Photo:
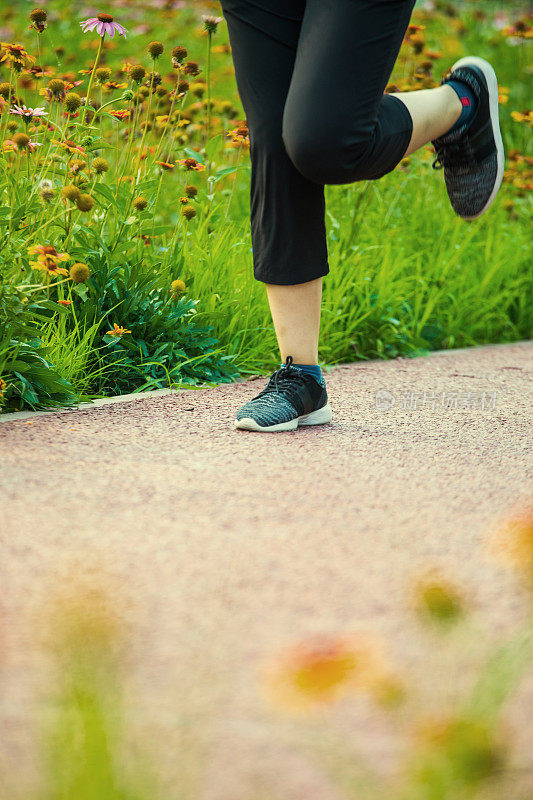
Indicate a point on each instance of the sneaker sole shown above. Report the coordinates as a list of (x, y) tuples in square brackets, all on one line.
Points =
[(492, 84), (320, 417)]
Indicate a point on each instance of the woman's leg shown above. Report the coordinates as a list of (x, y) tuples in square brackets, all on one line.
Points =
[(433, 111), (287, 210), (296, 314)]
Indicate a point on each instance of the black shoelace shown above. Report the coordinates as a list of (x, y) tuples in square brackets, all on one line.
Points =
[(283, 381), (449, 155)]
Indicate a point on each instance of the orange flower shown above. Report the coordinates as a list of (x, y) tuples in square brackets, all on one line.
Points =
[(117, 331), (69, 145), (240, 135), (322, 670), (191, 163), (512, 543), (48, 259), (520, 30), (120, 114), (523, 116), (15, 56)]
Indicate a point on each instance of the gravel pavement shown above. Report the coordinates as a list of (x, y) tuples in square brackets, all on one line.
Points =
[(224, 546)]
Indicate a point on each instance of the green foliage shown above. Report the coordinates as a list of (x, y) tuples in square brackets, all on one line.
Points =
[(406, 276)]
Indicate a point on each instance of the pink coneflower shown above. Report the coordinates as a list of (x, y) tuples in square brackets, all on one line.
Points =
[(104, 24), (28, 113)]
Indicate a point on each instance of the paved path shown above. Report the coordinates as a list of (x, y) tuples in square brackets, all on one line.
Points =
[(228, 545)]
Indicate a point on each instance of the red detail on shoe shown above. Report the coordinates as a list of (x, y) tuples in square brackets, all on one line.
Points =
[(465, 101)]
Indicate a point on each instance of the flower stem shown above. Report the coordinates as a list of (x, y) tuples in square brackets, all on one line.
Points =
[(91, 79)]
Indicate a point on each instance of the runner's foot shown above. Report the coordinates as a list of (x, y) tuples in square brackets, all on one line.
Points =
[(472, 155), (291, 398)]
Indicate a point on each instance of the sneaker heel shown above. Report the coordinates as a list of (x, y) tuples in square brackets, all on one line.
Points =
[(319, 417)]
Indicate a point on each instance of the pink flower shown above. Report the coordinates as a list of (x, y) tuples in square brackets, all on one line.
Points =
[(104, 24), (10, 146), (23, 111)]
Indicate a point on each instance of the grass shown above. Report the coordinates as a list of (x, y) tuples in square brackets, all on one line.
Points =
[(406, 275)]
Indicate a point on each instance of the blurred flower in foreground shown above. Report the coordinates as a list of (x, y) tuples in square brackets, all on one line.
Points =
[(523, 116), (83, 622), (436, 599), (512, 543), (457, 752), (322, 670)]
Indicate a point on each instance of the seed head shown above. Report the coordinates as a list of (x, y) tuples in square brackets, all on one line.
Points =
[(140, 203), (56, 86), (188, 212), (100, 165), (198, 89), (6, 90), (190, 190), (105, 17), (71, 193), (226, 107), (183, 86), (85, 202), (154, 79), (179, 53), (76, 165), (38, 15), (79, 272), (137, 73), (178, 286), (12, 126), (72, 102), (102, 74), (191, 68), (155, 49), (22, 140), (46, 193)]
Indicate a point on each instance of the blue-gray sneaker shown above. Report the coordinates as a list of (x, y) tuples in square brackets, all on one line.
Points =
[(472, 156), (290, 398)]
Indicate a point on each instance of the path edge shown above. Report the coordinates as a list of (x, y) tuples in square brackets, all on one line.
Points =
[(128, 398)]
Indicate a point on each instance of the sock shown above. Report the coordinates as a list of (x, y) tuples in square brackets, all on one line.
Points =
[(468, 100), (313, 370)]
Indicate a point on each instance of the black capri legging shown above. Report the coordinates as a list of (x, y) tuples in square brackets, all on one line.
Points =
[(311, 76)]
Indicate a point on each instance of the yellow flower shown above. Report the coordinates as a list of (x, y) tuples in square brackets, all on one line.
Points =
[(467, 749), (3, 385), (317, 672), (523, 116), (15, 56), (512, 542), (503, 95), (117, 331), (48, 259), (435, 598)]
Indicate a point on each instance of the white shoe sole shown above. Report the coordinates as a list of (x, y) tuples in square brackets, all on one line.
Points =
[(492, 84), (320, 417)]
